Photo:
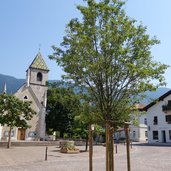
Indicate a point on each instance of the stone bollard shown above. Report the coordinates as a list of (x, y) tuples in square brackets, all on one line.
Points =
[(116, 148), (46, 153)]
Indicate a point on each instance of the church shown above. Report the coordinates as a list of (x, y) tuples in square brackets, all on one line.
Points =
[(34, 90)]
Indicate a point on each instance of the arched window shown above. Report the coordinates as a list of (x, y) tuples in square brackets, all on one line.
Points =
[(39, 76), (25, 97)]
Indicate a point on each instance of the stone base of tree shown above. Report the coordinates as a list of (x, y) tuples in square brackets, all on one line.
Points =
[(65, 150), (68, 147)]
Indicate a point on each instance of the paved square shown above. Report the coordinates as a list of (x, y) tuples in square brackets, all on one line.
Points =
[(143, 158)]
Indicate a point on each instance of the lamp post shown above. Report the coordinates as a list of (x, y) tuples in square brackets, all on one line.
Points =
[(91, 129), (127, 145)]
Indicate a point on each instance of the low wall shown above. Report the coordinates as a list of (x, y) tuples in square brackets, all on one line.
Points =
[(31, 143), (42, 143)]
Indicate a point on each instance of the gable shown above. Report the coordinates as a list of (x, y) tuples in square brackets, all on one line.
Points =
[(24, 93), (167, 95)]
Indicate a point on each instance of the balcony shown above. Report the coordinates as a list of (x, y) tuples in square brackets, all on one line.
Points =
[(167, 107)]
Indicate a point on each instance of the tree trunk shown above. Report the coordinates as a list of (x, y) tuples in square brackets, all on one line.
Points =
[(128, 147), (86, 147), (109, 148), (9, 139), (62, 134)]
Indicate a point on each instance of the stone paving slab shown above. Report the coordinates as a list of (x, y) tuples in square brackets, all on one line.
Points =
[(143, 158), (26, 158)]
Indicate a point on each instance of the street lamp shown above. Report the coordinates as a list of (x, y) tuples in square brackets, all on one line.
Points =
[(128, 144), (91, 129)]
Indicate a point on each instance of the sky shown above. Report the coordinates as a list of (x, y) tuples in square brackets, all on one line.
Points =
[(29, 25)]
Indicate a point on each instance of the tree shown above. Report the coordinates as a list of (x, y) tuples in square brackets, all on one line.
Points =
[(110, 54), (87, 116), (62, 106), (14, 113)]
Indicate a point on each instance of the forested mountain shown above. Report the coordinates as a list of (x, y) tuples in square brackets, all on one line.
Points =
[(13, 84)]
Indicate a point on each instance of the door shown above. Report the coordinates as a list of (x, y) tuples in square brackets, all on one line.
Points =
[(21, 134), (164, 136)]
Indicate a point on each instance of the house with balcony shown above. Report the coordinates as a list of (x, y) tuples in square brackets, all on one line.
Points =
[(158, 115)]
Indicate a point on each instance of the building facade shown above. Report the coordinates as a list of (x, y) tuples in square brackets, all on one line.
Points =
[(138, 131), (34, 90), (159, 119)]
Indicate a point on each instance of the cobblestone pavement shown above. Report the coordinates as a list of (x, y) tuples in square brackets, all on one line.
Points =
[(143, 158)]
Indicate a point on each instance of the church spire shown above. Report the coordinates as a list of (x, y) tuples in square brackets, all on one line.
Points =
[(39, 63)]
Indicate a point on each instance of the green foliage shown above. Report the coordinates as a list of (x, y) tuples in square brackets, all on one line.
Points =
[(65, 136), (15, 112), (110, 54), (135, 115), (88, 115), (62, 106), (80, 129), (99, 130)]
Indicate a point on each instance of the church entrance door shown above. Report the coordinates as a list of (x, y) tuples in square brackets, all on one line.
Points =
[(21, 134)]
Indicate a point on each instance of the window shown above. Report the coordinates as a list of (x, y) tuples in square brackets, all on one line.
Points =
[(39, 76), (155, 135), (134, 134), (145, 121), (32, 134), (170, 134), (168, 119), (169, 102), (25, 97), (155, 121), (146, 134), (6, 133)]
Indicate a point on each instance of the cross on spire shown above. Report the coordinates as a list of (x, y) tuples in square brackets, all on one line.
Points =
[(39, 47)]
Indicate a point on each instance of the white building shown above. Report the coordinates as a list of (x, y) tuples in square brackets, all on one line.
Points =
[(159, 119), (138, 132)]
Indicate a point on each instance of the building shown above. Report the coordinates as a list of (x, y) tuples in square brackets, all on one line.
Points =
[(159, 119), (138, 131), (34, 90)]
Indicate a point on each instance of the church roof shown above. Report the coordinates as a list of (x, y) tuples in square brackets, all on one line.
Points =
[(39, 63)]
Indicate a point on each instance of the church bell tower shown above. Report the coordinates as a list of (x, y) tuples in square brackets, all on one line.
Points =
[(37, 77), (36, 81)]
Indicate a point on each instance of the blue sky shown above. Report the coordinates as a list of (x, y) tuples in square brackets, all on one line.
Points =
[(25, 24)]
